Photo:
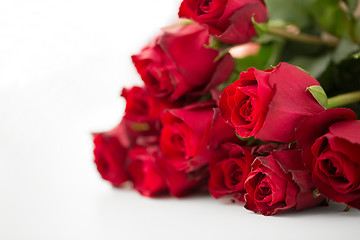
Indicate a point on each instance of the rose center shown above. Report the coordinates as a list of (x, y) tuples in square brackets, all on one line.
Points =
[(236, 176), (204, 7), (331, 168), (246, 109), (178, 142), (263, 190)]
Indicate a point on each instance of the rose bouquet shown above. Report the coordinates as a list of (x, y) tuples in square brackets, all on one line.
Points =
[(235, 103)]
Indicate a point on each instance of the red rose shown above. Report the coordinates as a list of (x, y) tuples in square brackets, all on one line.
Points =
[(229, 20), (110, 154), (177, 63), (181, 183), (331, 143), (221, 132), (143, 109), (313, 127), (231, 164), (269, 104), (145, 172), (185, 136), (141, 106), (228, 173), (279, 181)]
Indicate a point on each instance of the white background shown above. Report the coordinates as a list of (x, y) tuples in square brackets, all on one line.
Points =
[(62, 67)]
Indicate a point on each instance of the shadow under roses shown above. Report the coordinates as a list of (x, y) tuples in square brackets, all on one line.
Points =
[(334, 209)]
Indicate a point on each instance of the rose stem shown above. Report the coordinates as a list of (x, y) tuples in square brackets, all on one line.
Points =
[(343, 99), (302, 37)]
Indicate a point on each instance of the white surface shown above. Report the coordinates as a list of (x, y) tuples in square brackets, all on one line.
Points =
[(62, 66)]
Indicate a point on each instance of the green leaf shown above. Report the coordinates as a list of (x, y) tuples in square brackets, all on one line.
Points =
[(249, 141), (347, 208), (357, 31), (295, 12), (319, 94), (216, 44), (316, 66), (352, 4), (333, 18), (316, 193), (260, 28), (344, 50)]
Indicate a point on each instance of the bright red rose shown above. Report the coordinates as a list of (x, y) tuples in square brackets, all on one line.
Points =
[(229, 20), (110, 153), (279, 181), (331, 143), (228, 174), (269, 104), (177, 63), (185, 136), (145, 172)]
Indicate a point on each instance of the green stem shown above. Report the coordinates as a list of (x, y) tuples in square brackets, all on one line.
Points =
[(344, 99), (301, 37)]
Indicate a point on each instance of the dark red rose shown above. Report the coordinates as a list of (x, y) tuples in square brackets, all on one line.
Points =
[(110, 153), (228, 174), (177, 63), (331, 143), (145, 172), (185, 136), (279, 181), (269, 104), (229, 20)]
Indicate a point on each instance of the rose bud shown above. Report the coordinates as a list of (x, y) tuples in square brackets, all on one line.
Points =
[(269, 104), (185, 136), (331, 145), (110, 154), (228, 20), (177, 63), (144, 171), (279, 181), (229, 171)]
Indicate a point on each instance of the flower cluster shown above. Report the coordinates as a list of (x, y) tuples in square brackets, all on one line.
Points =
[(224, 109), (161, 143)]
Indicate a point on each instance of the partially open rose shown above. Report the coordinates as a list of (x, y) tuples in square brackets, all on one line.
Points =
[(229, 171), (185, 136), (279, 181), (110, 154), (269, 104), (145, 172), (177, 63), (229, 20), (331, 146)]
